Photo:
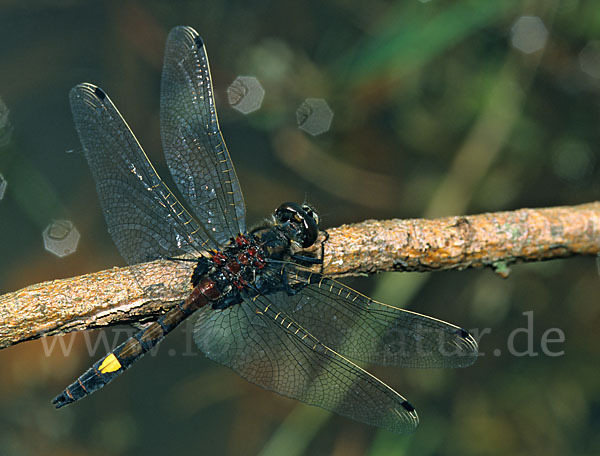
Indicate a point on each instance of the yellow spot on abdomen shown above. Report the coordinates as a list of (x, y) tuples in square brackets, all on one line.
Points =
[(110, 364)]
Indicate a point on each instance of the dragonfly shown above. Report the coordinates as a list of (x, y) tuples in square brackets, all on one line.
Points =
[(259, 306)]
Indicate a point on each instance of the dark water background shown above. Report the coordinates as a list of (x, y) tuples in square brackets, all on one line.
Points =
[(436, 112)]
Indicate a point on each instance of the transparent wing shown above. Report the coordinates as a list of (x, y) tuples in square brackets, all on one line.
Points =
[(192, 141), (262, 344), (366, 330), (144, 218)]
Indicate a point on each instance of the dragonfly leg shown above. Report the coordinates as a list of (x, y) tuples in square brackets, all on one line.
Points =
[(307, 259), (290, 289)]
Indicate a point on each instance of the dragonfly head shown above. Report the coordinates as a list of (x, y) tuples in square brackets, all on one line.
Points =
[(299, 222)]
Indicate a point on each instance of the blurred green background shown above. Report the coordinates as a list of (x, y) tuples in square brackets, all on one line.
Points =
[(440, 108)]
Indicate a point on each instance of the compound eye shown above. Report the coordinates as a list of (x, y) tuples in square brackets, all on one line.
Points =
[(310, 221), (311, 213), (288, 211), (311, 232), (306, 231)]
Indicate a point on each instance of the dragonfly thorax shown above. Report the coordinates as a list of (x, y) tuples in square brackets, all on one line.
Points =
[(232, 269), (237, 269)]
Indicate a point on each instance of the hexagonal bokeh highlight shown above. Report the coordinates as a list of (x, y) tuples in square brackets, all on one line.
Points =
[(3, 185), (245, 94), (61, 238), (314, 116), (5, 126), (4, 111), (589, 59), (528, 34)]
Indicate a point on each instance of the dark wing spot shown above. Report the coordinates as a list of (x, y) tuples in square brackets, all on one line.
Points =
[(408, 406), (463, 333), (99, 93), (199, 41)]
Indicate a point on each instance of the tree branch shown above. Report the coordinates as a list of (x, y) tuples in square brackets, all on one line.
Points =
[(141, 292)]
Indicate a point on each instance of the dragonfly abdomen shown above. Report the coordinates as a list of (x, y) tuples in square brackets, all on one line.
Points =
[(112, 365)]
